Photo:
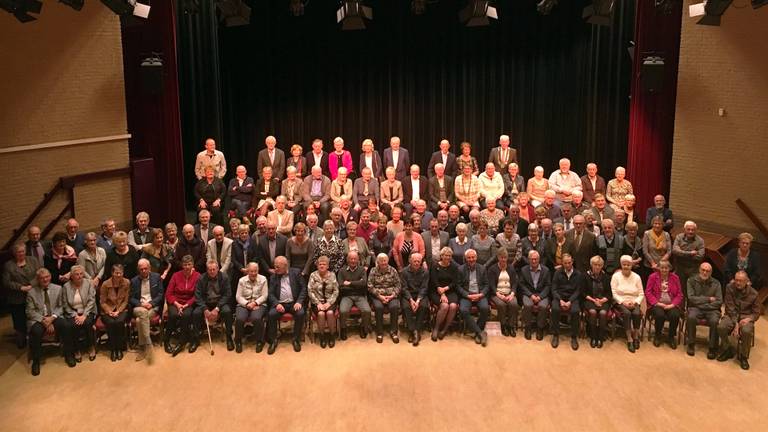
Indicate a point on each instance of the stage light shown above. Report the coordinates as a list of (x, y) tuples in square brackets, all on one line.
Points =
[(600, 12), (21, 9), (759, 3), (352, 15), (74, 4), (140, 10), (418, 7), (476, 13), (545, 6), (120, 7), (234, 12), (713, 12)]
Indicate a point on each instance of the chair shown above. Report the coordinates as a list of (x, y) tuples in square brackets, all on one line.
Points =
[(312, 319), (287, 317), (155, 328)]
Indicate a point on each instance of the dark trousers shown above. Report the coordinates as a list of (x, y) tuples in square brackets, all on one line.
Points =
[(394, 310), (225, 314), (256, 316), (36, 333), (465, 308), (746, 333), (631, 317), (541, 315), (660, 315), (82, 332), (574, 312), (507, 311), (274, 317), (597, 318), (179, 321), (19, 317), (712, 318), (115, 330), (414, 321)]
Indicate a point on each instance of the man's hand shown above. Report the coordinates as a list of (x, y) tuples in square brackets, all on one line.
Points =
[(26, 288), (745, 321), (217, 203), (79, 320), (443, 298), (712, 299), (50, 330), (535, 298), (414, 305), (202, 204), (346, 283), (280, 308), (297, 307)]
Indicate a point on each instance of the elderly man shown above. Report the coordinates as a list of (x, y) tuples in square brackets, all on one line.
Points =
[(491, 186), (287, 294), (75, 238), (314, 232), (413, 300), (535, 285), (209, 192), (601, 210), (578, 204), (45, 316), (687, 252), (317, 157), (566, 293), (204, 227), (415, 188), (434, 241), (290, 188), (271, 157), (271, 246), (384, 287), (552, 210), (191, 245), (440, 190), (212, 295), (210, 157), (445, 157), (364, 188), (142, 235), (240, 191), (219, 250), (659, 209), (397, 157), (610, 246), (316, 192), (39, 248), (341, 188), (147, 302), (104, 241), (366, 228), (467, 190), (567, 216), (705, 298), (473, 290), (251, 298), (281, 217), (564, 182), (741, 312), (583, 244), (353, 288), (514, 183), (592, 183), (502, 155)]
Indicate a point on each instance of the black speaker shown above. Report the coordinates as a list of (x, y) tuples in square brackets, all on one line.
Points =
[(652, 74), (152, 75)]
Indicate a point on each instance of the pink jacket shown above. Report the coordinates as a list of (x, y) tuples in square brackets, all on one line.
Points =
[(653, 289), (418, 247), (346, 160)]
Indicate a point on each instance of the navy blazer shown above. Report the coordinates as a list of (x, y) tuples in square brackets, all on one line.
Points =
[(78, 243), (402, 170), (298, 287), (567, 289), (156, 290), (482, 281), (527, 287)]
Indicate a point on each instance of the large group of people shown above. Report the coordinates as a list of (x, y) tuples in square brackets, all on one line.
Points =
[(317, 240)]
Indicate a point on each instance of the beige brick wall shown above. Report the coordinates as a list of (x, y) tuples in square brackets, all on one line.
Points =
[(62, 79), (718, 159)]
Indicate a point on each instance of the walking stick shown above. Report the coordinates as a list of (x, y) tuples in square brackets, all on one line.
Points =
[(208, 328)]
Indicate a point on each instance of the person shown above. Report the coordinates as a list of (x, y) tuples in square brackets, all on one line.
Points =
[(219, 250), (578, 205), (557, 247), (567, 283), (391, 192), (443, 156), (45, 316), (121, 254), (444, 278), (483, 244), (532, 242), (93, 259), (705, 297), (744, 258), (660, 209), (514, 183), (633, 246), (609, 246), (298, 162), (204, 227), (618, 188), (600, 209), (434, 241), (592, 183), (323, 289), (366, 227), (158, 254), (19, 275), (35, 246), (519, 225), (597, 301), (104, 239), (397, 157), (210, 157), (212, 296), (503, 284), (271, 157), (396, 225), (329, 246), (113, 300), (299, 250), (365, 187), (240, 191), (440, 188), (537, 185), (290, 188), (492, 217), (525, 209), (141, 235), (190, 245), (180, 297), (251, 299), (234, 225), (317, 157), (657, 245), (738, 321), (550, 209), (502, 155), (171, 236), (352, 281), (473, 291), (315, 192), (75, 238), (627, 289), (60, 259), (406, 243), (467, 187), (79, 304), (281, 217), (664, 296), (369, 158), (629, 208), (267, 189), (490, 186), (339, 158), (287, 294), (244, 251), (415, 188), (466, 159), (620, 222), (209, 192), (382, 239), (687, 252), (354, 243), (535, 286), (567, 216), (564, 182), (414, 281), (146, 302)]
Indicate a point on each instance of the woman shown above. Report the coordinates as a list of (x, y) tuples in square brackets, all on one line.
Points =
[(373, 209), (323, 291), (339, 158), (370, 158), (92, 259), (527, 212), (466, 159), (509, 240), (180, 297), (483, 244), (61, 259), (503, 282), (382, 239), (171, 236), (556, 247), (18, 275), (597, 301), (330, 247), (396, 224), (406, 243), (743, 258), (299, 250), (618, 189), (267, 189), (113, 299), (537, 185), (444, 277), (459, 244), (629, 208), (357, 244), (492, 216), (234, 227), (665, 297), (391, 192), (121, 254), (79, 299), (251, 299), (158, 254), (297, 161), (627, 290), (633, 245), (657, 245), (384, 286)]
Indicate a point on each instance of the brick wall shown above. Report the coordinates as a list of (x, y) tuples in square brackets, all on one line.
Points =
[(62, 79), (718, 159)]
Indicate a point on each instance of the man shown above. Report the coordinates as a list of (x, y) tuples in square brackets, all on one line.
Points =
[(314, 232), (552, 210), (546, 232), (415, 187), (620, 221), (445, 157), (659, 209), (291, 190), (583, 244), (147, 302), (414, 302), (209, 192), (687, 252), (251, 297), (502, 155), (601, 210), (364, 188), (397, 157), (45, 316), (491, 186), (741, 312), (384, 287), (75, 238), (440, 188), (281, 217), (566, 291), (473, 291), (592, 184), (567, 216), (142, 235), (353, 287), (287, 294), (315, 192), (39, 248), (341, 188), (578, 205), (271, 157), (261, 228), (271, 246), (609, 247), (366, 228), (704, 300), (210, 157), (219, 250), (192, 245), (212, 295), (564, 182), (454, 218), (240, 191), (535, 286), (434, 241), (424, 215), (514, 183), (317, 157), (519, 226), (467, 190)]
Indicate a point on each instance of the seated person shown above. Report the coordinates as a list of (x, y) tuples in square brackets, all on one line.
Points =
[(391, 192), (209, 192), (659, 209), (212, 296), (665, 298), (547, 231), (365, 187), (705, 297), (240, 191), (473, 291), (609, 246), (251, 298), (466, 187), (146, 302), (513, 184), (627, 289), (180, 297), (601, 210), (492, 216), (384, 287), (483, 244), (618, 188), (491, 186), (535, 286), (45, 316), (287, 294), (113, 299), (564, 182), (738, 321), (502, 280), (657, 245), (353, 289), (592, 183), (578, 204), (537, 185), (406, 243), (556, 248), (444, 278), (532, 243), (525, 209), (367, 226), (415, 188), (79, 298), (551, 209), (597, 301), (190, 245), (290, 188), (413, 299), (60, 258), (566, 294), (441, 193), (341, 188), (323, 289), (315, 192), (745, 259), (281, 216), (267, 189)]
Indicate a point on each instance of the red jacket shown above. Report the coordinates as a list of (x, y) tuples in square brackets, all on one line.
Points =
[(181, 289), (653, 289)]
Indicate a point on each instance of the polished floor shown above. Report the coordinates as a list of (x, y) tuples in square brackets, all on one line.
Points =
[(452, 385)]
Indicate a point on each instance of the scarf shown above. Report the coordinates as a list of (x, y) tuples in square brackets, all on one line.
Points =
[(658, 239), (68, 255)]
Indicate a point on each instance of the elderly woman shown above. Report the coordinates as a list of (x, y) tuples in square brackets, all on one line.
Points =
[(113, 300), (234, 225), (597, 301), (61, 258), (158, 254), (251, 298), (502, 280), (79, 299), (744, 258), (556, 247), (323, 290), (357, 244), (492, 216), (483, 244), (299, 250), (180, 297), (406, 243), (369, 158), (384, 285), (444, 278), (466, 159), (18, 275), (459, 244), (537, 186), (627, 290), (524, 206), (297, 161), (396, 224), (665, 298), (618, 189), (391, 192), (466, 187), (339, 158), (330, 247), (171, 236), (92, 259), (121, 254), (509, 240), (382, 239), (629, 207), (633, 245), (657, 245)]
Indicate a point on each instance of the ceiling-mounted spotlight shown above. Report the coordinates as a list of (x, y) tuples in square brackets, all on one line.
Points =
[(477, 12), (234, 12), (140, 10), (545, 6), (22, 9), (352, 15), (600, 12), (296, 7), (74, 4), (713, 12)]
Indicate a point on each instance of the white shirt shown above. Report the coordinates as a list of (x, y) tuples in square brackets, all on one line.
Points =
[(491, 188), (395, 156), (146, 294), (318, 158), (445, 158), (369, 161), (436, 247), (415, 188)]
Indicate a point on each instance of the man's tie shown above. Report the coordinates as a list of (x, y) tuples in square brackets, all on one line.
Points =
[(578, 240), (47, 302), (40, 254)]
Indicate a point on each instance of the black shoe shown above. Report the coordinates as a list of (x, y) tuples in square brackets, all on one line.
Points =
[(726, 355), (416, 338), (528, 334), (21, 340), (631, 347), (323, 340), (484, 338), (711, 354), (343, 334), (35, 367), (540, 334), (259, 347), (673, 343), (599, 343), (657, 341), (71, 361), (574, 344), (477, 339), (193, 346), (690, 350), (238, 347), (411, 337), (395, 337), (555, 341), (167, 347), (296, 345), (744, 363), (272, 347), (379, 338), (363, 332), (230, 345), (636, 343), (434, 336), (179, 348), (504, 331), (113, 355), (513, 331), (331, 340)]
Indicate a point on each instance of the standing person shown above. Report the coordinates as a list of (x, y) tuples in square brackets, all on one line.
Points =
[(657, 245), (298, 162), (660, 209), (397, 157), (19, 274), (79, 299), (466, 159), (210, 157), (445, 157), (271, 157), (317, 157), (744, 258), (503, 155), (45, 316), (146, 302), (267, 190), (627, 289), (93, 259), (113, 298), (339, 158), (687, 252), (369, 158), (75, 238)]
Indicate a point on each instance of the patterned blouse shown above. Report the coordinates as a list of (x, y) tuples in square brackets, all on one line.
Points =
[(384, 282), (616, 192), (333, 249), (323, 289), (461, 163)]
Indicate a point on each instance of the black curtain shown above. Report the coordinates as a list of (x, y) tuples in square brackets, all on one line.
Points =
[(557, 85)]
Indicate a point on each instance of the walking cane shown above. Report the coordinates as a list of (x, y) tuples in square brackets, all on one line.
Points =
[(208, 328)]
